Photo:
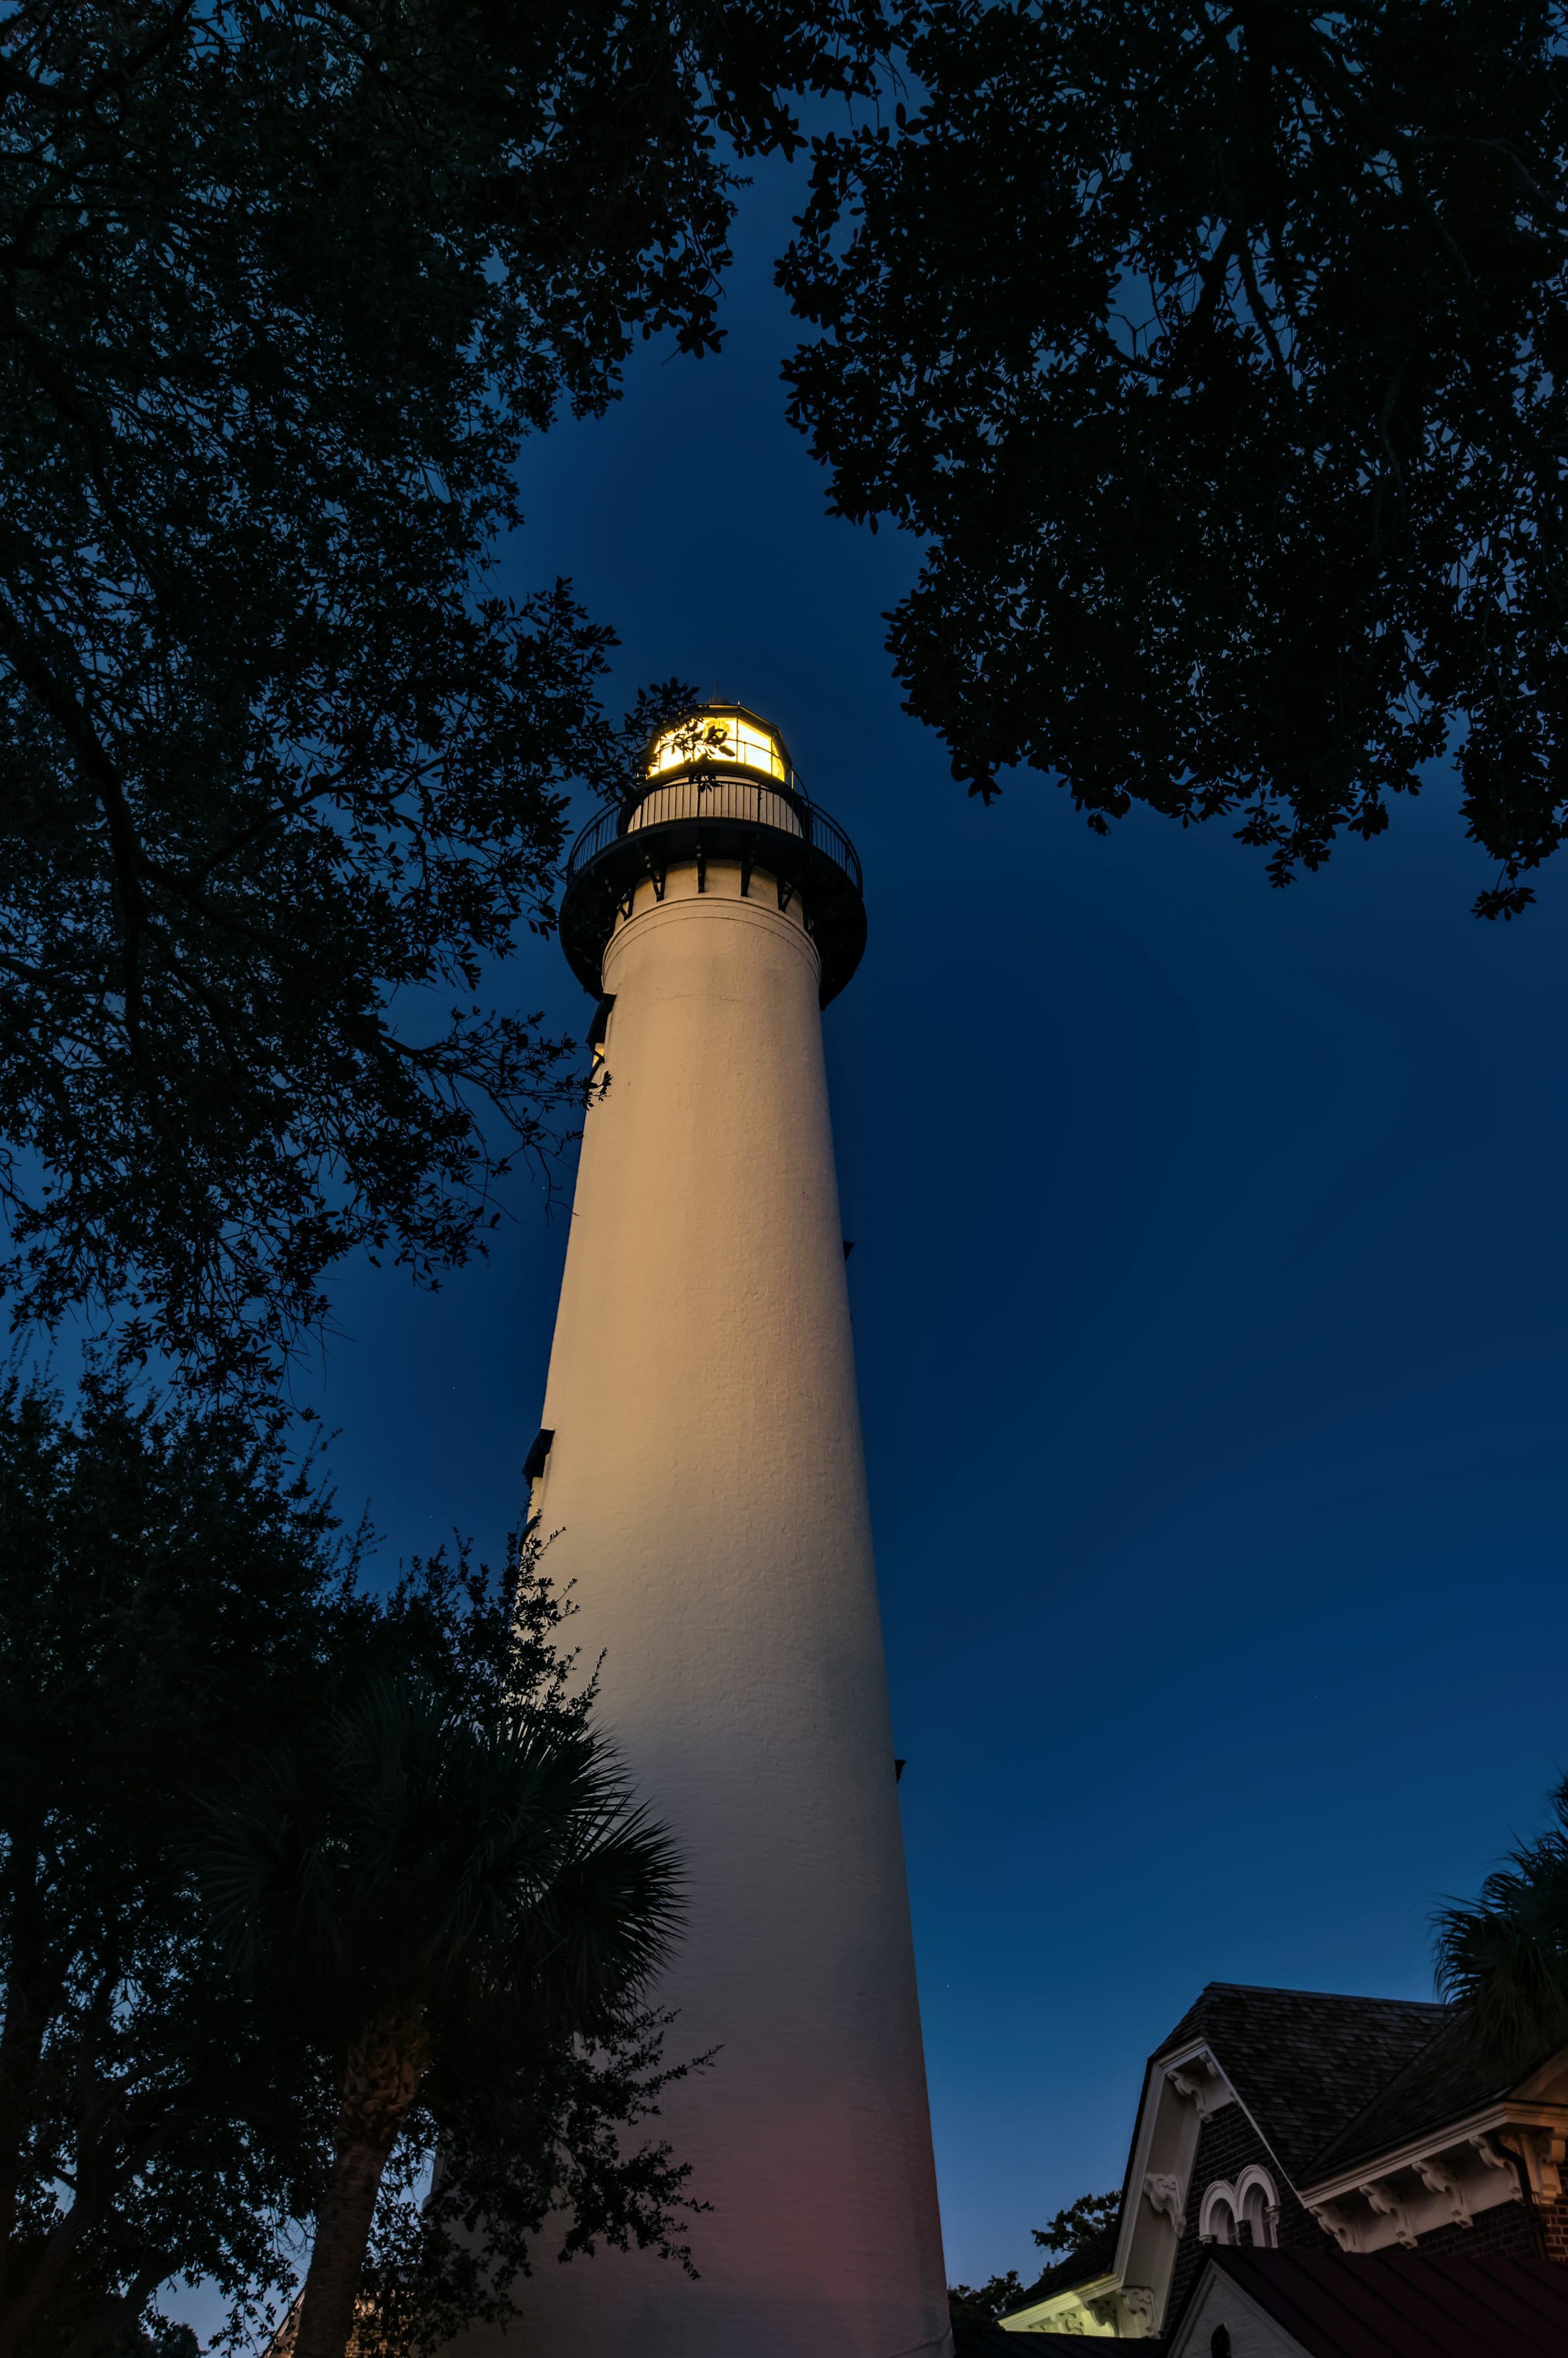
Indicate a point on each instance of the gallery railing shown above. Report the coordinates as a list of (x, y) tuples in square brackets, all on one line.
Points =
[(710, 817), (748, 801)]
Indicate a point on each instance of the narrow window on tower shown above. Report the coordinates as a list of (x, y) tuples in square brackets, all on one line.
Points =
[(598, 1031)]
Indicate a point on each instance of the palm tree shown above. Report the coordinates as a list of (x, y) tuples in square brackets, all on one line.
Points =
[(408, 1873), (1504, 1956)]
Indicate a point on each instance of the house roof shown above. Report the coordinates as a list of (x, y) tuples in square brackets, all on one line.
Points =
[(1305, 2063), (1095, 2258), (1401, 2304), (1454, 2073), (990, 2342)]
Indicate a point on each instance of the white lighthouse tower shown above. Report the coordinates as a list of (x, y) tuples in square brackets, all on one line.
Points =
[(700, 1458)]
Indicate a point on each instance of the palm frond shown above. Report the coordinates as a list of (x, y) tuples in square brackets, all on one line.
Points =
[(410, 1859), (1504, 1956)]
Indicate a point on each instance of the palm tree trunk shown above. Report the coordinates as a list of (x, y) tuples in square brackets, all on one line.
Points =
[(381, 2080)]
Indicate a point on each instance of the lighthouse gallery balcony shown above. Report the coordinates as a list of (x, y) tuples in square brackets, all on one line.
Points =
[(719, 792)]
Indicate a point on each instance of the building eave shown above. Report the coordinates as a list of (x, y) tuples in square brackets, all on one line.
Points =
[(1506, 2151), (1039, 2314)]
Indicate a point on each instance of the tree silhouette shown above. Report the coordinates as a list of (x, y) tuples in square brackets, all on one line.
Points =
[(175, 1596), (1504, 1956), (410, 1882), (1216, 354), (282, 766), (1081, 2224)]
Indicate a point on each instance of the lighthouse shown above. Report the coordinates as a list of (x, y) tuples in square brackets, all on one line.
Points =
[(699, 1461)]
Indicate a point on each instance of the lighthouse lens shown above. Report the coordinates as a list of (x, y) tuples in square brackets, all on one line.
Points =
[(718, 737)]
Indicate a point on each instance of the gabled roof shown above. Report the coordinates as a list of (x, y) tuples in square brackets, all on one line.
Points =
[(1332, 2085), (1396, 2304), (1305, 2063), (1452, 2075)]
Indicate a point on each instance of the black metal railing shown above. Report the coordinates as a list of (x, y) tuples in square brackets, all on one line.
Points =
[(596, 835), (827, 835), (763, 803)]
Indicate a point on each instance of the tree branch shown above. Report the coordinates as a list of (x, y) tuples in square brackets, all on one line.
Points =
[(99, 774)]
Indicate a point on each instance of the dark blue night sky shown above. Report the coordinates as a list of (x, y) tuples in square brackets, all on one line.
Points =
[(1209, 1293)]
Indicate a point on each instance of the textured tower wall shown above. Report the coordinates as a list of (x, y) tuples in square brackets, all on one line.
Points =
[(708, 1486)]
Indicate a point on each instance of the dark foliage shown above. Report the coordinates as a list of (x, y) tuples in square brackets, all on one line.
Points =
[(983, 2304), (1220, 353), (554, 2133), (281, 768), (1070, 2230), (1505, 1955), (163, 1590), (174, 1598), (446, 1903), (1080, 2223)]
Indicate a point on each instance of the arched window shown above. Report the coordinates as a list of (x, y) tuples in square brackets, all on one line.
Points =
[(1258, 2204), (1216, 2214)]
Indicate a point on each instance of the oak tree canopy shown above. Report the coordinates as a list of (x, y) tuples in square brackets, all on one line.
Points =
[(182, 1625), (283, 284), (1216, 350)]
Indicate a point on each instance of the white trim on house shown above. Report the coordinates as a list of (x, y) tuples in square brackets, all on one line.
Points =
[(1217, 2299), (1181, 2092), (1221, 2194), (1446, 2177), (1092, 2308), (1513, 2150)]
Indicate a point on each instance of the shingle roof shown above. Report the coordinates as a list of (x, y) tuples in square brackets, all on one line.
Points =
[(990, 2342), (1305, 2062), (1452, 2075), (1330, 2080), (1404, 2304)]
